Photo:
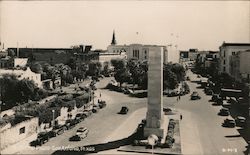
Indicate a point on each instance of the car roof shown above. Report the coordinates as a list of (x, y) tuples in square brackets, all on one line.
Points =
[(241, 117)]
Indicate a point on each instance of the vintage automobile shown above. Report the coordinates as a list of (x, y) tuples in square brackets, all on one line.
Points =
[(240, 121), (229, 123), (82, 132), (124, 110), (75, 138), (42, 138), (224, 112), (195, 96)]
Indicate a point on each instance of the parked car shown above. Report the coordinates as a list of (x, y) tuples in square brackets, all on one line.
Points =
[(124, 110), (59, 129), (240, 121), (233, 100), (128, 91), (80, 116), (208, 91), (42, 138), (82, 132), (168, 111), (75, 138), (195, 96), (216, 97), (229, 123), (87, 112), (51, 134), (95, 109), (224, 112), (173, 93), (71, 123)]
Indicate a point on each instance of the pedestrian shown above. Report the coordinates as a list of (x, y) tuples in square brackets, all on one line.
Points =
[(100, 94), (181, 116), (177, 98)]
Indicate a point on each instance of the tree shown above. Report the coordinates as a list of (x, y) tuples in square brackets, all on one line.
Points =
[(179, 71), (94, 68), (106, 71), (36, 67), (169, 77), (15, 91), (121, 72), (26, 89)]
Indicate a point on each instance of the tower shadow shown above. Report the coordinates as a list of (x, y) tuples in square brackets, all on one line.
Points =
[(95, 148)]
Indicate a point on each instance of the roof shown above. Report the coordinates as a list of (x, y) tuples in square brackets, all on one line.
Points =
[(236, 44)]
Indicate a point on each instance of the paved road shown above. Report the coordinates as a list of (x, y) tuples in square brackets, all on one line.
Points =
[(201, 130), (100, 125), (205, 135)]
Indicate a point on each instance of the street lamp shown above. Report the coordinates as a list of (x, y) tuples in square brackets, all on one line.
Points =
[(53, 121)]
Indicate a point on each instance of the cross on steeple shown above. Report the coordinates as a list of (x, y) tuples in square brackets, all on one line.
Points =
[(113, 39)]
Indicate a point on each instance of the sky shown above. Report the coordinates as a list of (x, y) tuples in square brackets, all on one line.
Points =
[(187, 24)]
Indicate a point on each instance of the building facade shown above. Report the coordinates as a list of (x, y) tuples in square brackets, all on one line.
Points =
[(44, 55), (12, 134), (240, 66), (226, 51), (24, 74), (136, 51), (189, 55), (140, 51)]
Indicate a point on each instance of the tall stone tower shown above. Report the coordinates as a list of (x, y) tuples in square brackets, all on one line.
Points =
[(113, 42), (155, 118)]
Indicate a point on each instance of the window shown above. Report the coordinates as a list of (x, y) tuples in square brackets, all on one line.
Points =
[(224, 69), (224, 62), (21, 130), (224, 53), (233, 53)]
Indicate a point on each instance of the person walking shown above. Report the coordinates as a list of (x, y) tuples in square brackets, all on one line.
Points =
[(181, 117)]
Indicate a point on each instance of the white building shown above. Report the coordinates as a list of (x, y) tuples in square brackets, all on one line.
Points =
[(107, 57), (140, 52), (240, 66), (24, 74), (226, 51)]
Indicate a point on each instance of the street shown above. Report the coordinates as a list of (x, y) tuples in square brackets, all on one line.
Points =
[(201, 130)]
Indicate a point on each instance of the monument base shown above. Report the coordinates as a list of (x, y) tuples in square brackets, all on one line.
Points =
[(159, 132), (149, 131)]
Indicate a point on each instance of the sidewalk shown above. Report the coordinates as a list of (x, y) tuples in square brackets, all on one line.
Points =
[(20, 146), (190, 138)]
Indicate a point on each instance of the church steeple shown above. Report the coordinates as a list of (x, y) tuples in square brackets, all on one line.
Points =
[(113, 39)]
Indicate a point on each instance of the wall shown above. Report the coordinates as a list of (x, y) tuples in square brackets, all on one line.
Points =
[(21, 62), (228, 52), (45, 55), (24, 74), (9, 112), (245, 62), (107, 57), (11, 136)]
